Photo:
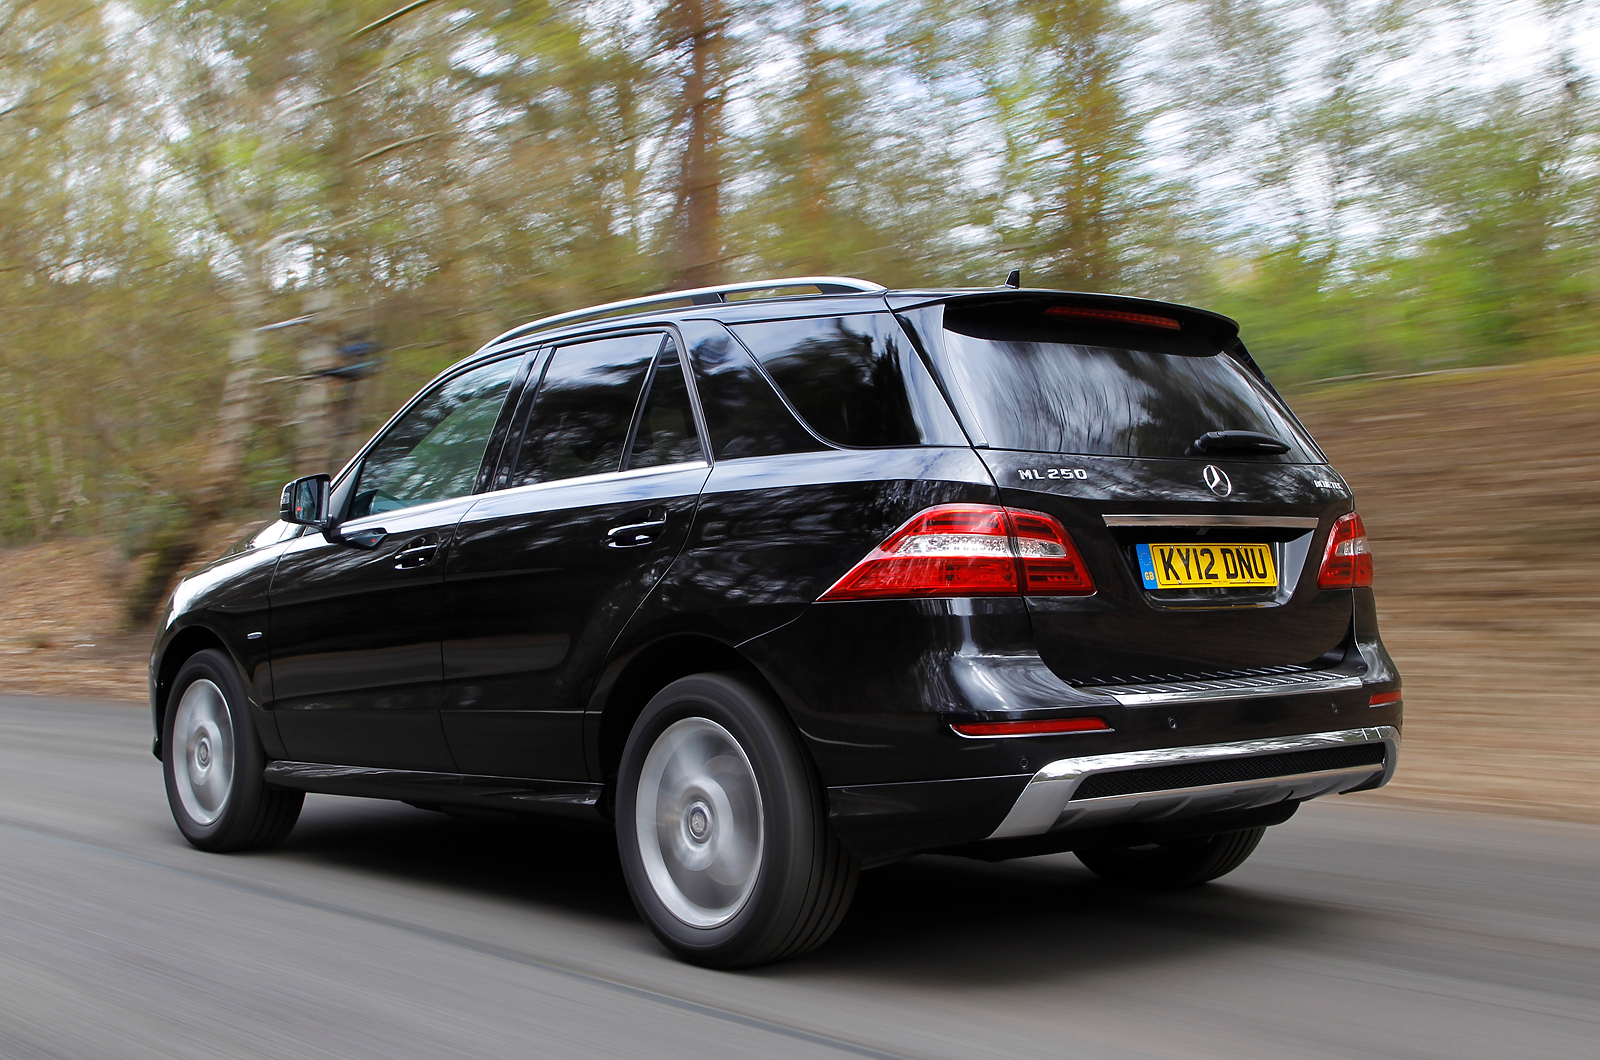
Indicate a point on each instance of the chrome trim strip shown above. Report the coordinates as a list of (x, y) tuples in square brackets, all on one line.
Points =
[(1220, 688), (1286, 522), (1046, 802), (1204, 789)]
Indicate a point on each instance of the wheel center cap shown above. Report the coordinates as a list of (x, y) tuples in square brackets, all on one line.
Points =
[(202, 754), (699, 819)]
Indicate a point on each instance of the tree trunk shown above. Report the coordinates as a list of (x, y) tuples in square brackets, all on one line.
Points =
[(218, 478), (700, 27)]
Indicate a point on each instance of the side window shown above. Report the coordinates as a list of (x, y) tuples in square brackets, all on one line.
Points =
[(743, 413), (433, 452), (581, 413), (665, 433), (853, 379)]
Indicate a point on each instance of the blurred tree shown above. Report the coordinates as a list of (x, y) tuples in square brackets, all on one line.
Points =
[(848, 166), (1051, 76), (700, 67), (176, 175)]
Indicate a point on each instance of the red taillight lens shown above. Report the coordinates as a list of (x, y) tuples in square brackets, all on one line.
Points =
[(1347, 562), (1051, 565), (951, 550), (1383, 699), (969, 550), (1030, 728)]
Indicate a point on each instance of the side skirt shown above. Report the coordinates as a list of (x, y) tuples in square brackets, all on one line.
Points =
[(563, 798)]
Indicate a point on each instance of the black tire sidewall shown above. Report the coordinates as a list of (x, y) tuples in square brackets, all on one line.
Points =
[(790, 819), (248, 784)]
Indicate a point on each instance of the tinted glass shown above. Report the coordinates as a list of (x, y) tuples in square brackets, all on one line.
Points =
[(846, 376), (1052, 387), (743, 414), (665, 433), (582, 410), (433, 452)]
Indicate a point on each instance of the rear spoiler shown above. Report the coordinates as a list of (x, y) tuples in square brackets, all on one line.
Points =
[(1220, 329)]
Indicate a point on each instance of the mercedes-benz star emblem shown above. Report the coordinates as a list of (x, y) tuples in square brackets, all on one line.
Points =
[(1217, 479)]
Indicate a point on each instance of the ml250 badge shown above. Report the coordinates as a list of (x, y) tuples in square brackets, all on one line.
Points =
[(1053, 472)]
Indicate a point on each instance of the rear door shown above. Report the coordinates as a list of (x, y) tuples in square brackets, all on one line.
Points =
[(544, 573), (1204, 554)]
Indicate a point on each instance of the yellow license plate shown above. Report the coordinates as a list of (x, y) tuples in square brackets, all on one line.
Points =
[(1201, 566)]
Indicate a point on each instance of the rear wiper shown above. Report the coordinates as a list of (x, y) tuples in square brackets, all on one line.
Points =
[(1234, 442)]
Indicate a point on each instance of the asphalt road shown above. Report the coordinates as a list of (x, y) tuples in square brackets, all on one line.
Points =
[(381, 931)]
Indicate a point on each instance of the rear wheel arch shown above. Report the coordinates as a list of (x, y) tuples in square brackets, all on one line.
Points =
[(649, 670)]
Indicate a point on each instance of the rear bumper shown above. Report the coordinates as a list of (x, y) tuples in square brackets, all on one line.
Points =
[(1127, 796), (1140, 787)]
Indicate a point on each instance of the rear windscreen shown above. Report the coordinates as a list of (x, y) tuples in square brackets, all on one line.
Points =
[(1053, 386)]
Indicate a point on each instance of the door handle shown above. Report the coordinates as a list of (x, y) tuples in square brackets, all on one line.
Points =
[(632, 534), (418, 552)]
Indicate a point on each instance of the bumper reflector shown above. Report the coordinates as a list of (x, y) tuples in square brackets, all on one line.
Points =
[(1049, 727), (1383, 699)]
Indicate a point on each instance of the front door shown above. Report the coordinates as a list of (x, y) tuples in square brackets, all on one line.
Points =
[(543, 575), (355, 632)]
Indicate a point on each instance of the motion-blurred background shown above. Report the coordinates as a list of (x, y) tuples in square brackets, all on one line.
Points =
[(1400, 200)]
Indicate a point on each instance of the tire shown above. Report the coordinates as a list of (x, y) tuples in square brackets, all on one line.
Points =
[(1172, 866), (213, 762), (722, 828)]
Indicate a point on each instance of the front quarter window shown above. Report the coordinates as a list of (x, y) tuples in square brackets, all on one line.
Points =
[(434, 451)]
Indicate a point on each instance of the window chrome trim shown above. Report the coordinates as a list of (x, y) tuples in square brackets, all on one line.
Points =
[(598, 476), (1285, 522), (1046, 802)]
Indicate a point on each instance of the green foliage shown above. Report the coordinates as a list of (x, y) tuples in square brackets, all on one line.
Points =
[(171, 182)]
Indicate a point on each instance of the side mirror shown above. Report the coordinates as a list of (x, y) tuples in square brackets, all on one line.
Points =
[(305, 502)]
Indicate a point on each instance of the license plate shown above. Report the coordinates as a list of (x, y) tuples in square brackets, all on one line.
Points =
[(1206, 566)]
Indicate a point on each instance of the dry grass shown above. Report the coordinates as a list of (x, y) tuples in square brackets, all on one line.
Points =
[(1481, 492), (61, 628)]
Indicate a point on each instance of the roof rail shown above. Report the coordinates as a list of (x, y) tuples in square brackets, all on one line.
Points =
[(705, 296)]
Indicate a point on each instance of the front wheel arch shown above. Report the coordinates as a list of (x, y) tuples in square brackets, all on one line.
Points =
[(184, 645)]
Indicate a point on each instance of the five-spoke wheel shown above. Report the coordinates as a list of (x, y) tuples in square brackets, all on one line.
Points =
[(213, 762), (698, 819), (722, 828), (202, 735)]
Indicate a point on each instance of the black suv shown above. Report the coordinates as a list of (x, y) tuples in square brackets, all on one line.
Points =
[(789, 578)]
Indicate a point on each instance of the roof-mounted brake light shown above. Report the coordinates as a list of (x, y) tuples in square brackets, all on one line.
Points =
[(1113, 316)]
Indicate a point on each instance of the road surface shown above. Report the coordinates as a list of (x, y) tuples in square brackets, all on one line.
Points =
[(377, 930)]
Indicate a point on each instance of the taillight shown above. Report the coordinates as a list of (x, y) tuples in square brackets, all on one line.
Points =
[(1051, 565), (969, 550), (1347, 561), (1384, 699)]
